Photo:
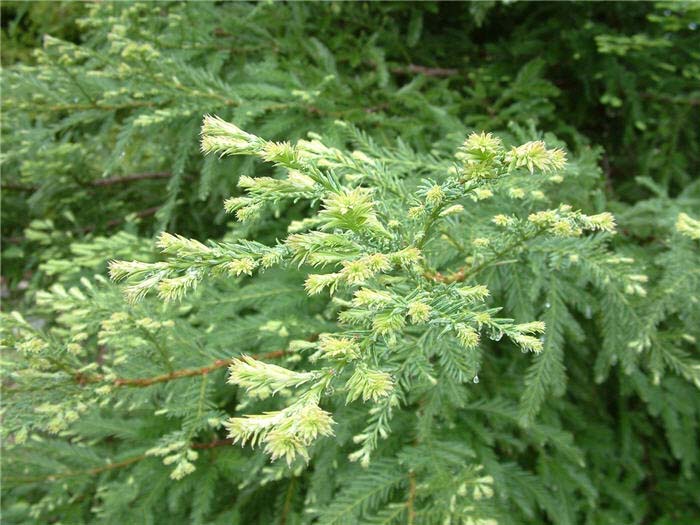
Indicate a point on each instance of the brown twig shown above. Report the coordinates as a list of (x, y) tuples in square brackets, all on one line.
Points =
[(425, 70), (607, 173), (378, 107), (212, 444), (455, 277), (97, 105), (141, 214), (89, 229), (116, 222), (112, 466), (99, 183), (177, 374), (130, 178), (14, 239), (87, 472), (16, 187), (462, 274), (287, 501), (672, 100), (410, 503)]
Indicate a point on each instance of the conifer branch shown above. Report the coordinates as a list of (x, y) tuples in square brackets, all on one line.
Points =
[(288, 501), (410, 503), (673, 100), (89, 229), (112, 181), (110, 466), (97, 105), (462, 273), (425, 70), (77, 473), (179, 374), (417, 260), (141, 214), (130, 178), (497, 257), (16, 187), (212, 444)]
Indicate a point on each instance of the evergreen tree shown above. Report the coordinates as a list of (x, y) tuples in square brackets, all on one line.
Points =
[(399, 301), (326, 328)]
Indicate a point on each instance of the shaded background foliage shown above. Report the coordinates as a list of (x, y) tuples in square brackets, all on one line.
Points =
[(582, 75), (101, 112)]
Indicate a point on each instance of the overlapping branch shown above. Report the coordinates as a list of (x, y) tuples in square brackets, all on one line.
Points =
[(110, 466), (425, 70), (171, 376)]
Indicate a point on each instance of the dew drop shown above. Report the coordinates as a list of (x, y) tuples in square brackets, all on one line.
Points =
[(496, 336), (692, 26), (476, 380), (547, 305), (588, 313)]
